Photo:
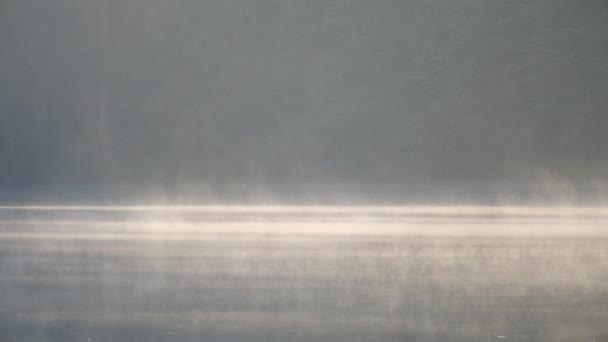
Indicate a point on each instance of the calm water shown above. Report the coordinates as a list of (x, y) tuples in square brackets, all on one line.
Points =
[(245, 277)]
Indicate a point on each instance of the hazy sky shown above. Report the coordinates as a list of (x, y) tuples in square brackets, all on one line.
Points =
[(267, 92)]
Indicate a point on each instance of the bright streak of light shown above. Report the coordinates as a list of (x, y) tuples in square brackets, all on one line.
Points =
[(312, 210), (209, 222)]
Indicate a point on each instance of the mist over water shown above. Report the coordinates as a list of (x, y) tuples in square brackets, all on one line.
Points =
[(342, 117), (303, 274)]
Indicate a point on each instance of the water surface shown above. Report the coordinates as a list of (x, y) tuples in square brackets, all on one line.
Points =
[(221, 274)]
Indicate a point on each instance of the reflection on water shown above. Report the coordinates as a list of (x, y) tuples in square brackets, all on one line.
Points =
[(460, 275)]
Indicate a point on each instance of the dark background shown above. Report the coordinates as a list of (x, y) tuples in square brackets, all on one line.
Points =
[(385, 100)]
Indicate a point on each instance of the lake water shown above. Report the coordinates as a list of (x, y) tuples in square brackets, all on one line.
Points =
[(428, 274)]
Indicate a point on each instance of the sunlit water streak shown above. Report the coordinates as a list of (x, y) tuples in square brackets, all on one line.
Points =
[(274, 273)]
